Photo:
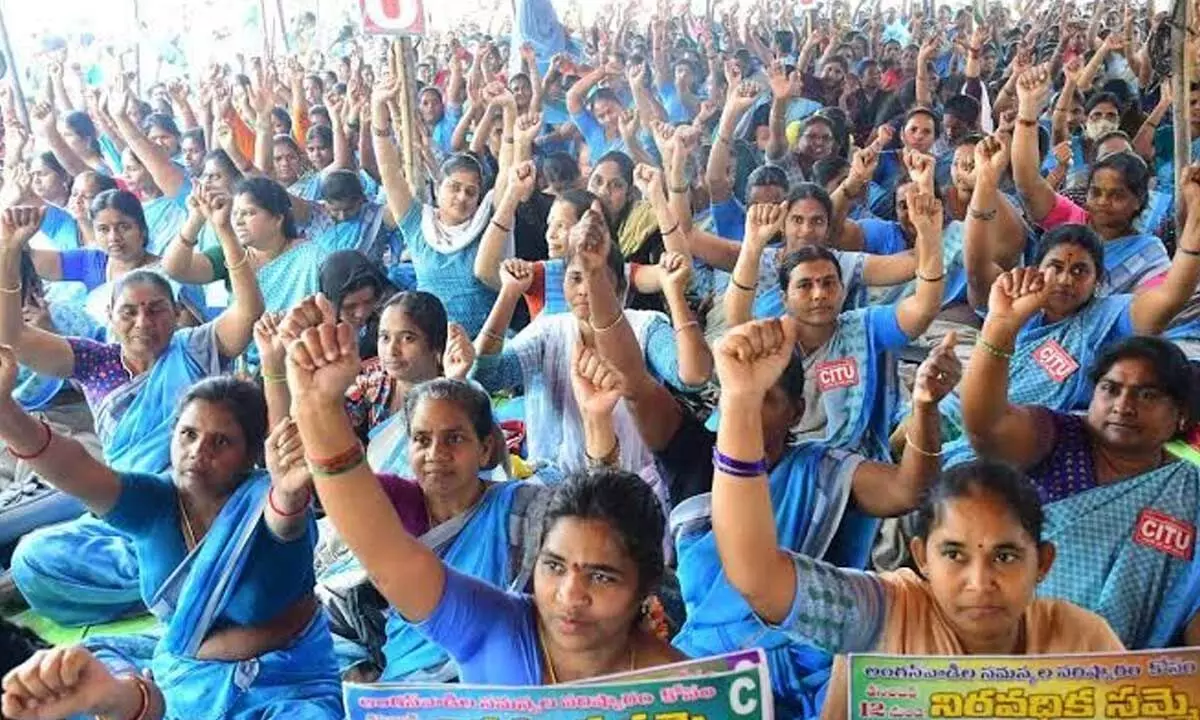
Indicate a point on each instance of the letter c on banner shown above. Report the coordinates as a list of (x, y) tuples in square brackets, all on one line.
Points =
[(738, 702), (392, 15)]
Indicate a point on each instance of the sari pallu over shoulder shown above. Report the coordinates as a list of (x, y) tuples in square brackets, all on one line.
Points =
[(1131, 261), (859, 389), (1049, 367), (809, 506), (476, 543), (1127, 551), (363, 233), (134, 421), (299, 681), (164, 216), (953, 237)]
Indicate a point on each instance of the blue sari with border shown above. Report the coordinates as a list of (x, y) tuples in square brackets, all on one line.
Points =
[(475, 543), (299, 681), (164, 216), (814, 515), (1082, 336), (1123, 544), (1132, 260), (140, 439)]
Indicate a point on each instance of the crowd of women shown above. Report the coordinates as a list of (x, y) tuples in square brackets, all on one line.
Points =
[(693, 336)]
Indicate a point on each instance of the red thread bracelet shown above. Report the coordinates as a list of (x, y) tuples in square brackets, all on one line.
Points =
[(271, 502), (42, 449), (346, 456)]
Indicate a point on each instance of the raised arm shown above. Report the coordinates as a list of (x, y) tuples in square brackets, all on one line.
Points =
[(916, 312), (516, 277), (181, 260), (1004, 231), (59, 460), (178, 91), (1154, 308), (169, 177), (924, 85), (235, 325), (763, 223), (720, 171), (45, 121), (598, 387), (695, 358), (1039, 197), (577, 94), (43, 352), (321, 366), (650, 183), (885, 490), (391, 171), (996, 428), (785, 87), (845, 234), (750, 359), (1143, 142), (499, 231)]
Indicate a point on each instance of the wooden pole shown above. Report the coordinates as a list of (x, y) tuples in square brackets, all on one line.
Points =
[(14, 72), (1182, 62), (283, 28), (137, 48)]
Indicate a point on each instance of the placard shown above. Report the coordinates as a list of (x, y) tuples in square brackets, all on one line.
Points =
[(393, 17), (726, 687), (1149, 684)]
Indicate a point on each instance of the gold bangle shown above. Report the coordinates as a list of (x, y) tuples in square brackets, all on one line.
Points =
[(611, 325), (493, 336), (14, 290), (993, 350), (908, 442), (686, 325), (272, 378), (238, 265)]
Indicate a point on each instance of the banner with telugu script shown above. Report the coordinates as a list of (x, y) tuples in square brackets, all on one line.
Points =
[(733, 687), (1151, 684)]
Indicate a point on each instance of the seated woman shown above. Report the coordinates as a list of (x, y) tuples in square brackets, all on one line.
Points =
[(442, 240), (151, 171), (357, 288), (224, 553), (1064, 335), (850, 388), (1117, 194), (538, 358), (825, 501), (478, 527), (599, 556), (1120, 508), (347, 220), (131, 386), (804, 221), (286, 265), (122, 234), (978, 545), (26, 501)]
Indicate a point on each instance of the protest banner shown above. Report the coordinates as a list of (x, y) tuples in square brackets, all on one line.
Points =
[(393, 17), (1150, 684), (732, 687)]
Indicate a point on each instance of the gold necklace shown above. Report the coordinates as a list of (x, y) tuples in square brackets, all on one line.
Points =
[(550, 660), (189, 535)]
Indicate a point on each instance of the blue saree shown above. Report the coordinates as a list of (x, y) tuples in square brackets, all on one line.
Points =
[(85, 571), (1050, 365), (1131, 261), (366, 232), (299, 681), (810, 493), (475, 543), (134, 421), (164, 216), (955, 292), (1127, 551)]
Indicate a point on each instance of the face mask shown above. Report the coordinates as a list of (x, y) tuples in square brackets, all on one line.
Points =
[(1095, 129)]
